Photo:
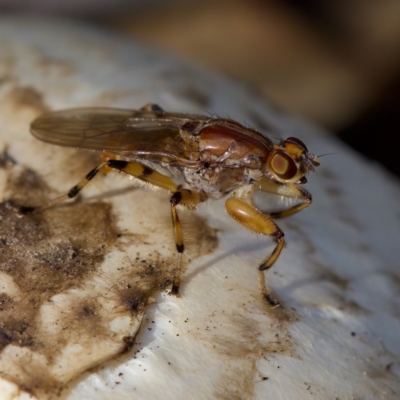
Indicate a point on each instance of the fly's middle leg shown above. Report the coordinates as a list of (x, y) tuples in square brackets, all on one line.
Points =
[(190, 200)]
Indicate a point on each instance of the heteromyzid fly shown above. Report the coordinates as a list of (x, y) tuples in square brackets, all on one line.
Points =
[(213, 157)]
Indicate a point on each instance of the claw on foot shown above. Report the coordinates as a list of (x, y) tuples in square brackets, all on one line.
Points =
[(272, 302)]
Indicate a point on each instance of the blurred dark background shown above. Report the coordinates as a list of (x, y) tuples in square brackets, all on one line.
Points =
[(334, 62)]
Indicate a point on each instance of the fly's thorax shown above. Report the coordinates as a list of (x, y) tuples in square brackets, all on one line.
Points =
[(228, 156), (228, 143)]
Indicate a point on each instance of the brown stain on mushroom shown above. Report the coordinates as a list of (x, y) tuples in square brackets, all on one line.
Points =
[(19, 105), (45, 255), (27, 97), (244, 353), (18, 98), (55, 292), (254, 332), (327, 273)]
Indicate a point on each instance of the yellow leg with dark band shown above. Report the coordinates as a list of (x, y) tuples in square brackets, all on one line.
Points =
[(190, 200), (186, 198), (288, 190), (137, 170), (252, 218)]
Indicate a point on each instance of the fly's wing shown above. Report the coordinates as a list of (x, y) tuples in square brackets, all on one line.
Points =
[(133, 134)]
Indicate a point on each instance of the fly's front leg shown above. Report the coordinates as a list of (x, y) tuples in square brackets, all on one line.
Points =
[(190, 200), (253, 219), (288, 190)]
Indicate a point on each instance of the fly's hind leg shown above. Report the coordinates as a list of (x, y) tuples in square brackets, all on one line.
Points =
[(73, 192), (253, 219), (137, 170), (190, 200), (180, 197)]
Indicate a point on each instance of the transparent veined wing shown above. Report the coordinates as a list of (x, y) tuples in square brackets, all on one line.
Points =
[(131, 133)]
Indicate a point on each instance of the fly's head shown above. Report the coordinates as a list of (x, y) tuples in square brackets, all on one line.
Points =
[(290, 161)]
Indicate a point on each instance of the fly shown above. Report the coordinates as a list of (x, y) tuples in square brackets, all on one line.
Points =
[(215, 157)]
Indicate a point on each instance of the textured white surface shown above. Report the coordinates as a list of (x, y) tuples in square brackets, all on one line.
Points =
[(338, 277)]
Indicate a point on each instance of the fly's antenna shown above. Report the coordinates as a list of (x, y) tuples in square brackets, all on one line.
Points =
[(326, 154)]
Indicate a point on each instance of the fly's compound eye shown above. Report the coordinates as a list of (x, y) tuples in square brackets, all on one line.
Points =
[(283, 166)]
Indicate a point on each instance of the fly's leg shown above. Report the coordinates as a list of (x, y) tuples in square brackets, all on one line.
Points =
[(287, 190), (190, 200), (135, 169), (104, 157), (253, 219), (73, 192), (180, 197)]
